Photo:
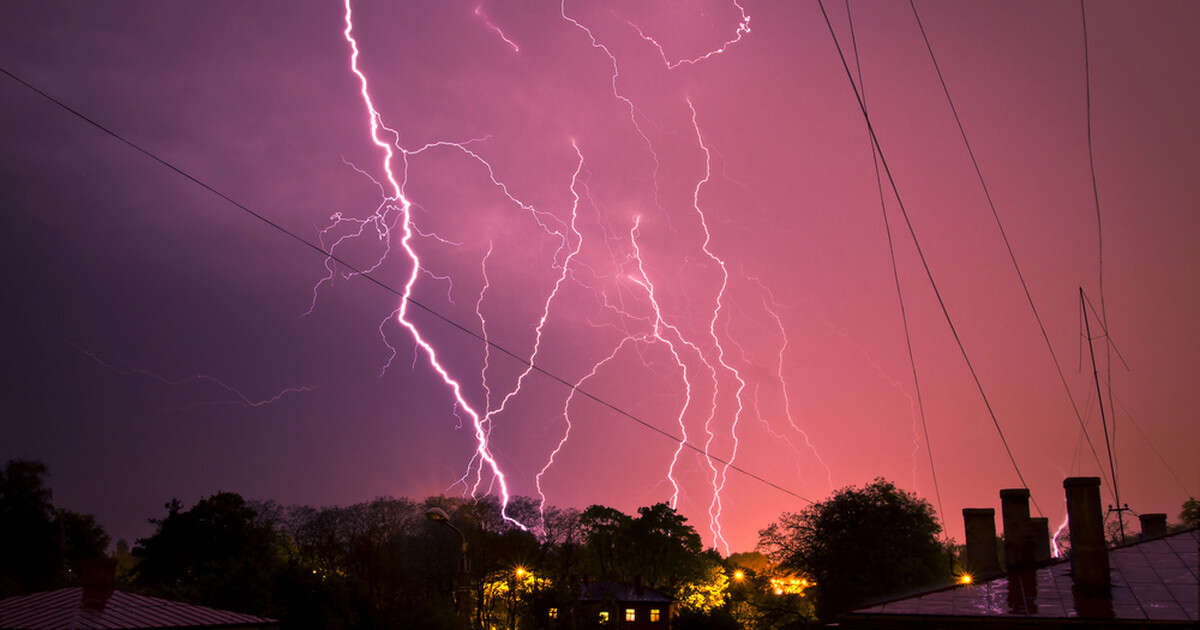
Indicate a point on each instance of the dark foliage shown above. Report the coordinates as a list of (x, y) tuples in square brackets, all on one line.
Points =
[(1190, 513), (43, 547), (219, 553), (860, 544)]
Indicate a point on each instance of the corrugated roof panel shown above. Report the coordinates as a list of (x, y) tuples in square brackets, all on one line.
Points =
[(63, 609)]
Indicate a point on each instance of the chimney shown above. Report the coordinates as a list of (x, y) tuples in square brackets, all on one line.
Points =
[(1089, 555), (1018, 544), (1153, 525), (98, 577), (1039, 529), (980, 526)]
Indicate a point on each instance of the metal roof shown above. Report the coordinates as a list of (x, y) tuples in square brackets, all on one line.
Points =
[(1152, 581), (620, 592), (63, 609)]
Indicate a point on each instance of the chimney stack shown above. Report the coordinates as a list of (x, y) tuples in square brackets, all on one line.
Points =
[(1089, 554), (98, 577), (1018, 544), (1153, 525), (1039, 529), (980, 526)]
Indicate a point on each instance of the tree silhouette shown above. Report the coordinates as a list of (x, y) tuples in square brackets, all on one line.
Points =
[(861, 543), (43, 547)]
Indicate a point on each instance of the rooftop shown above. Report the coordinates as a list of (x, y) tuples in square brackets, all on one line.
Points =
[(63, 609), (619, 592), (1152, 581)]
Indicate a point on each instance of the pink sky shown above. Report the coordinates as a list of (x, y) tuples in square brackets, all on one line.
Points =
[(117, 255)]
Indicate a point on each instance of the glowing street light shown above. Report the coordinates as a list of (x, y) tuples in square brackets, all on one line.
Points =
[(965, 578), (739, 575)]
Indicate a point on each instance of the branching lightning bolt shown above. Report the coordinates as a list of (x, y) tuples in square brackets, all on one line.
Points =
[(718, 301), (770, 305), (659, 325), (743, 29), (395, 194)]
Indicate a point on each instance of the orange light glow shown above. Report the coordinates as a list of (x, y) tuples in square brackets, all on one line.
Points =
[(965, 578)]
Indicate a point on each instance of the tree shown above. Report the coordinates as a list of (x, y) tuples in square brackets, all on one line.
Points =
[(758, 600), (81, 539), (28, 559), (860, 544), (43, 546), (219, 553), (1190, 515)]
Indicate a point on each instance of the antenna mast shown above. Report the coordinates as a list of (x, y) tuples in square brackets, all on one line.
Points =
[(1119, 508)]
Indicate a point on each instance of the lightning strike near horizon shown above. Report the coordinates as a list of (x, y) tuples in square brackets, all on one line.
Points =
[(562, 278), (566, 416), (616, 278), (715, 507), (396, 194), (659, 325), (1055, 550), (772, 308)]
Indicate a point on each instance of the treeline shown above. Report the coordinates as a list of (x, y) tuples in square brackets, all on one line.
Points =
[(397, 563), (386, 564)]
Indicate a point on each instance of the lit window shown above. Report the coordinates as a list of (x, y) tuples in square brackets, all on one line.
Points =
[(552, 613), (603, 616), (630, 614), (655, 615)]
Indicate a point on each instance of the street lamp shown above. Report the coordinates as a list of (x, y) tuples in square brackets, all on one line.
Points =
[(462, 591)]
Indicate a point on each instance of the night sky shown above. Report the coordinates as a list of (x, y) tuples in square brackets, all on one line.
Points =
[(146, 319)]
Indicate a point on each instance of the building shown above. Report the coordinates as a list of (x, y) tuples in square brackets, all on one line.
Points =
[(1150, 583), (616, 605)]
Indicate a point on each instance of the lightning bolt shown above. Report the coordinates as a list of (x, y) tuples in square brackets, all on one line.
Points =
[(562, 278), (1055, 550), (743, 29), (240, 398), (659, 325), (715, 508), (629, 288), (566, 416), (395, 194), (633, 113), (771, 306), (495, 29)]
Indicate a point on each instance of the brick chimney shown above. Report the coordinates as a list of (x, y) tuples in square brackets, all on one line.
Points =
[(98, 577), (1089, 554), (980, 526), (1018, 544), (1039, 529), (1153, 525)]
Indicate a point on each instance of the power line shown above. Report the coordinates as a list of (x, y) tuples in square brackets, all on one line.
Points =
[(329, 255), (1087, 80), (1004, 235), (1162, 459), (920, 252), (896, 276)]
